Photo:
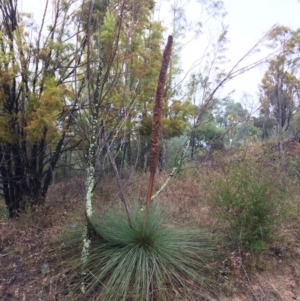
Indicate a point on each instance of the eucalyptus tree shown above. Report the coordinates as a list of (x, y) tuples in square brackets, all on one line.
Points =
[(280, 92), (137, 63), (37, 101), (212, 71), (45, 100), (280, 86)]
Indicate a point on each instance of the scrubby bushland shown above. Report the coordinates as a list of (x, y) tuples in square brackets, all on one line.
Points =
[(247, 195)]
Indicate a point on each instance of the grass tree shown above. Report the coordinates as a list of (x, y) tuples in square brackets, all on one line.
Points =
[(147, 257), (135, 255)]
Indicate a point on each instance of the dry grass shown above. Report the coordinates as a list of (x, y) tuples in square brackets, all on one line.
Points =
[(26, 271)]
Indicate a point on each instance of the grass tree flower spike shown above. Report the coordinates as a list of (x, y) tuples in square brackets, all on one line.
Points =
[(156, 122)]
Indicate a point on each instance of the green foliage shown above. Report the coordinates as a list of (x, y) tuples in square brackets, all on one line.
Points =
[(4, 212), (108, 32), (279, 91), (174, 123), (44, 113), (248, 199), (246, 132), (37, 102), (228, 113), (174, 147), (208, 132), (265, 125), (295, 123), (126, 262), (294, 169)]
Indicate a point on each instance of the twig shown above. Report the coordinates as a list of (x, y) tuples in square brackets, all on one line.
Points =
[(174, 170), (117, 175), (246, 274)]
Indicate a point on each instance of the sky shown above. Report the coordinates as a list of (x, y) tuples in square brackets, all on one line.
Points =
[(247, 21)]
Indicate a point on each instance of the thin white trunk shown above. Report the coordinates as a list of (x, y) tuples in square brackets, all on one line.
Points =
[(89, 185), (94, 93)]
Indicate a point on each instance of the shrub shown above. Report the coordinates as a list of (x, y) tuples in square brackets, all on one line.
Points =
[(294, 169), (247, 196), (163, 262)]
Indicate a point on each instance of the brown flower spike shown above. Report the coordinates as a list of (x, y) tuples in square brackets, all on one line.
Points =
[(156, 122)]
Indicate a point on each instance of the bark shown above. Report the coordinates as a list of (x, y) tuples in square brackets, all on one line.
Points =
[(162, 156), (281, 147), (143, 152)]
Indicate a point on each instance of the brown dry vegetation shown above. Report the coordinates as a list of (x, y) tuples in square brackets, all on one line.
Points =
[(28, 261)]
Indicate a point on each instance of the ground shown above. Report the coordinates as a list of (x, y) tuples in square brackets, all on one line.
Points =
[(27, 255)]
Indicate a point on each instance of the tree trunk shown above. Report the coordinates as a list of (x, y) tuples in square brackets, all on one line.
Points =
[(281, 146), (162, 156), (142, 159)]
